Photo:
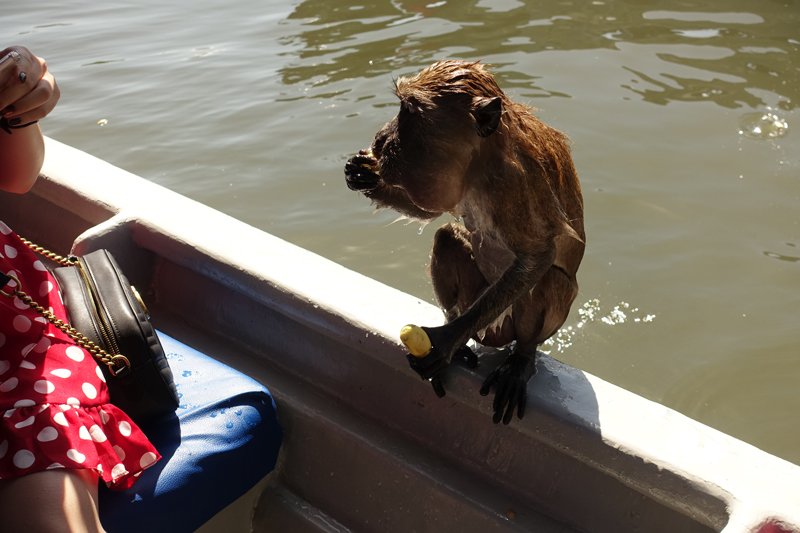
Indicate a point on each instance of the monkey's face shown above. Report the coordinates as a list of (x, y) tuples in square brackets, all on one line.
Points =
[(427, 149)]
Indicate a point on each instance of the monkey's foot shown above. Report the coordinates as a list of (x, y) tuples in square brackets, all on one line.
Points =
[(510, 380)]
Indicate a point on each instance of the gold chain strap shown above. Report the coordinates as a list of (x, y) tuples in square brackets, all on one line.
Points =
[(114, 362), (48, 254)]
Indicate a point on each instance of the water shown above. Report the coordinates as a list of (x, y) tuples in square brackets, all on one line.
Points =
[(684, 118)]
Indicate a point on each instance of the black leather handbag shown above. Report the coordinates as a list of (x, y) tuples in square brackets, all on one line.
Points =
[(108, 318)]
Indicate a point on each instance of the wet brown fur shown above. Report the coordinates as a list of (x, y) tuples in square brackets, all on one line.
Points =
[(509, 272)]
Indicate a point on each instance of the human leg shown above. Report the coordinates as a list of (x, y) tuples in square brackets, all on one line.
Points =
[(53, 501)]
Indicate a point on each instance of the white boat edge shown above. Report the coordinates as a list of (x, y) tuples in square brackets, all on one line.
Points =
[(323, 338)]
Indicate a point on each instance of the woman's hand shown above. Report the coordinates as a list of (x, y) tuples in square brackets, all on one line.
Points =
[(28, 90)]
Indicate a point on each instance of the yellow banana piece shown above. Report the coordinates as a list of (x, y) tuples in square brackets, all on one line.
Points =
[(376, 168), (416, 340)]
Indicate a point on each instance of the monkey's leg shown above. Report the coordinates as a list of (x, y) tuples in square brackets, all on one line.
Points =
[(537, 316), (457, 281)]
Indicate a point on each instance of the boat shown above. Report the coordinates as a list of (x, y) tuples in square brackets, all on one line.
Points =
[(367, 444)]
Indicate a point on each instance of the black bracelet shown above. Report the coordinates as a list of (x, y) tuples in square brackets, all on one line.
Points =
[(5, 126)]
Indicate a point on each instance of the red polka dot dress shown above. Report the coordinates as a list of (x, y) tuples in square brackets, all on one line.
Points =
[(54, 403)]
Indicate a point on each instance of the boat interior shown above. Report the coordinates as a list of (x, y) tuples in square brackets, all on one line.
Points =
[(367, 445)]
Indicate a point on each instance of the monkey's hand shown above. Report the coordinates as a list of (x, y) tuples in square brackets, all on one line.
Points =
[(430, 366), (511, 382), (361, 172)]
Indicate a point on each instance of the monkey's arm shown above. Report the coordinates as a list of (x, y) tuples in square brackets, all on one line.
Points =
[(361, 177), (524, 273)]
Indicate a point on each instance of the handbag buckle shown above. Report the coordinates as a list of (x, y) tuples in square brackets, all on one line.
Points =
[(119, 363)]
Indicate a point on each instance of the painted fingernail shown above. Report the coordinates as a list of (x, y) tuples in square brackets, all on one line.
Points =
[(22, 77), (14, 122)]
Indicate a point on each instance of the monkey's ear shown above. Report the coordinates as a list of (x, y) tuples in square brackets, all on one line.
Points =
[(487, 113)]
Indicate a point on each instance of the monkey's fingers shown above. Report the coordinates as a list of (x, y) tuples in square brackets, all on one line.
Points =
[(360, 178), (488, 383), (513, 400), (470, 357), (427, 366), (504, 390), (366, 159), (438, 388), (523, 399)]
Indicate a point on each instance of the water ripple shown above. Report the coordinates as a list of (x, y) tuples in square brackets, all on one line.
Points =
[(762, 126), (590, 312)]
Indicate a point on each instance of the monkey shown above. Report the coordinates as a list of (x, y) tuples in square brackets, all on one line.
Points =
[(506, 274)]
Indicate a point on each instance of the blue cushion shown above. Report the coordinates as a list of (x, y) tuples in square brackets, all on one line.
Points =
[(224, 439)]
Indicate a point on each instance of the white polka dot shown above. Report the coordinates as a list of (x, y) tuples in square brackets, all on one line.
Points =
[(84, 433), (5, 230), (89, 391), (99, 469), (9, 413), (118, 471), (75, 353), (125, 429), (25, 423), (60, 419), (22, 323), (45, 288), (74, 402), (25, 403), (41, 319), (12, 284), (76, 456), (97, 434), (120, 452), (3, 448), (10, 252), (27, 365), (9, 384), (24, 459), (100, 374), (39, 266), (147, 459), (55, 465), (61, 373), (48, 434), (43, 407), (42, 346), (104, 417), (19, 304), (4, 366), (43, 387)]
